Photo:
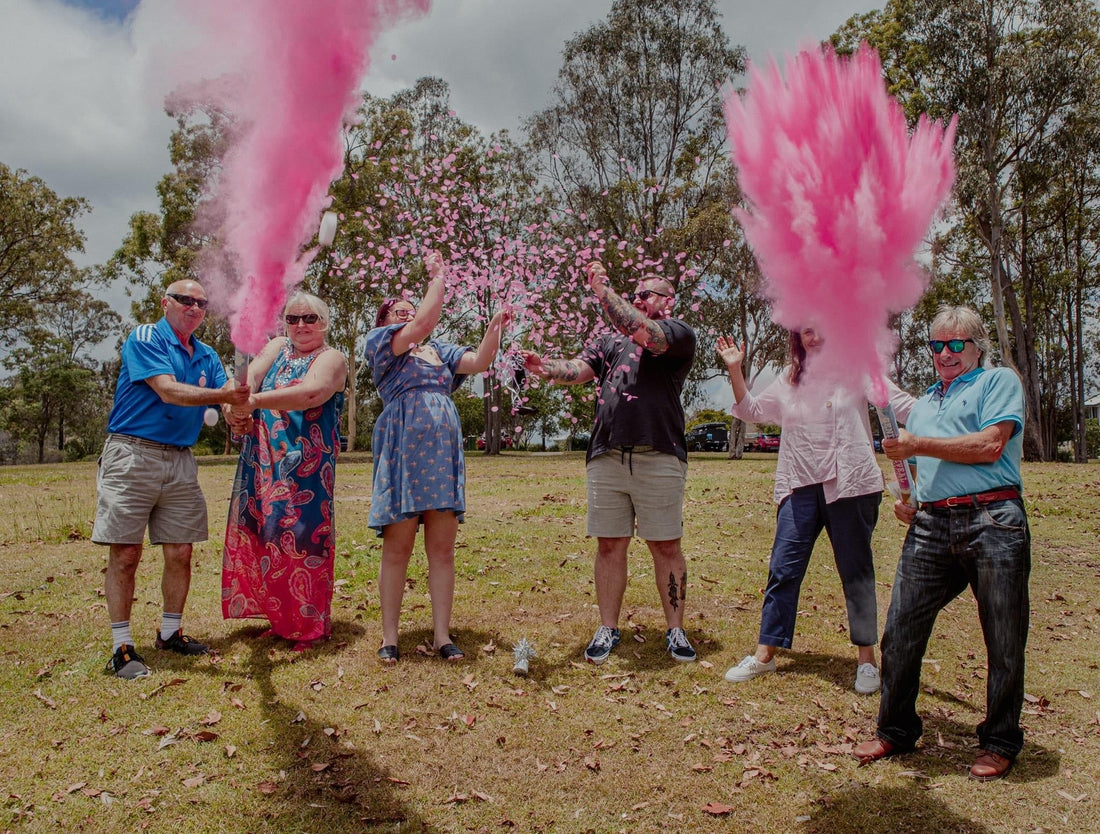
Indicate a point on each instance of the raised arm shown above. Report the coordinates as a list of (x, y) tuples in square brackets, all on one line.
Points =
[(420, 326), (476, 362), (732, 356), (624, 316)]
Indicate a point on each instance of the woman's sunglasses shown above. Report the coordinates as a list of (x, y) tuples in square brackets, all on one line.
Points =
[(953, 345), (307, 318)]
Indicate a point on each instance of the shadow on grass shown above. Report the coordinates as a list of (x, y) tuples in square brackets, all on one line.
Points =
[(324, 784), (906, 810)]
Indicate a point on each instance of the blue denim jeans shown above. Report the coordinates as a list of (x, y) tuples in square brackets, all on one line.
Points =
[(801, 517), (989, 549)]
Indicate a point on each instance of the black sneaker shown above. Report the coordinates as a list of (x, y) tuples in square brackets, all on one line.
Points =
[(679, 646), (127, 664), (180, 643), (604, 640)]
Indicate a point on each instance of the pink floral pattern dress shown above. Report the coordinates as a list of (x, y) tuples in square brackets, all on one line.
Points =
[(280, 541)]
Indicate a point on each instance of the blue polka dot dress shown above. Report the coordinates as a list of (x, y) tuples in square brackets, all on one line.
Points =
[(417, 441)]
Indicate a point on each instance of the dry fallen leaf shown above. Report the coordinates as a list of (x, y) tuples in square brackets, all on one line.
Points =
[(268, 788), (212, 718), (47, 701), (194, 781), (717, 809)]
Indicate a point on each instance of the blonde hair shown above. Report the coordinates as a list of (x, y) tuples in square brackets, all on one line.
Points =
[(313, 302), (966, 320)]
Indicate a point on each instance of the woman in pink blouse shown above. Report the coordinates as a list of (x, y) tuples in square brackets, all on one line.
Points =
[(827, 477)]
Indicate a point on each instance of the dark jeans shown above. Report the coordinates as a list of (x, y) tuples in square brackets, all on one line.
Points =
[(989, 549), (798, 522)]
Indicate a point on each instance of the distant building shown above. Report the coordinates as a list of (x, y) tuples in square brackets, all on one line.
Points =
[(1092, 408)]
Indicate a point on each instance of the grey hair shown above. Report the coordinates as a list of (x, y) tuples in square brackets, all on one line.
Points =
[(966, 320), (313, 302)]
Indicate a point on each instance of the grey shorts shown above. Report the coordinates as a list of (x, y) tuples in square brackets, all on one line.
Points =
[(643, 489), (141, 483)]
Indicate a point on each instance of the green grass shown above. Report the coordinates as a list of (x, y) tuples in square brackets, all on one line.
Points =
[(259, 739)]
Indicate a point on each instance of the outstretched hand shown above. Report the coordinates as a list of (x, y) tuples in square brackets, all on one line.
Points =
[(729, 351), (533, 363), (501, 319), (597, 278), (433, 262)]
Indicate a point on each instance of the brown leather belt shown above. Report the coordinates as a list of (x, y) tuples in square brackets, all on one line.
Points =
[(975, 499), (149, 444)]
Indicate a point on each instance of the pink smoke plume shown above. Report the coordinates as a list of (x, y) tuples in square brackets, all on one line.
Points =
[(289, 74), (840, 195)]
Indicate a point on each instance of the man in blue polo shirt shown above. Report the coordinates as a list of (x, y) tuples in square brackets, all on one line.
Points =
[(966, 433), (147, 474)]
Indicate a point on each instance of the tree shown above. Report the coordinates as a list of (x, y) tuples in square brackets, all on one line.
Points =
[(56, 386), (38, 236), (634, 142)]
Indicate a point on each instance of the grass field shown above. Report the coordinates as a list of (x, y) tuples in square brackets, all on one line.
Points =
[(259, 739)]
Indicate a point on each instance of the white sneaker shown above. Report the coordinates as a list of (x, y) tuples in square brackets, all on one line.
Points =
[(748, 669), (867, 680)]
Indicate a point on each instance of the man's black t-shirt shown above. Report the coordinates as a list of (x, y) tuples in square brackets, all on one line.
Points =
[(638, 394)]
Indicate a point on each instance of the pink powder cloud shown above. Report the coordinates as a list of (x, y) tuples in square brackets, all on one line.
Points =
[(289, 74), (840, 196)]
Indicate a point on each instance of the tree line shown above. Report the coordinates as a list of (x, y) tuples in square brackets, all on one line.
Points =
[(626, 163)]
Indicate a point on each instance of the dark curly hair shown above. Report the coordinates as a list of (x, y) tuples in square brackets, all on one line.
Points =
[(798, 356)]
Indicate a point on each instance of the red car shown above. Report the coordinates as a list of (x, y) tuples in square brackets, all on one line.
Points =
[(765, 443)]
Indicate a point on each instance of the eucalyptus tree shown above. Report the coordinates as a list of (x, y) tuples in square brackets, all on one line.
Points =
[(633, 142), (38, 238)]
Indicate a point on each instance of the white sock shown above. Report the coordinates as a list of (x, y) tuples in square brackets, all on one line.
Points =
[(170, 624), (120, 635)]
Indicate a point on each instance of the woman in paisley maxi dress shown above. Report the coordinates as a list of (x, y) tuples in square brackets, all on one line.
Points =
[(280, 540), (419, 470)]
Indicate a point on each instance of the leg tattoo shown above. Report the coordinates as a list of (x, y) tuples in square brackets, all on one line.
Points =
[(673, 595)]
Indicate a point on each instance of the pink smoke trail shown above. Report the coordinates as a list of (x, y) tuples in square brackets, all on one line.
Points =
[(840, 197), (293, 74)]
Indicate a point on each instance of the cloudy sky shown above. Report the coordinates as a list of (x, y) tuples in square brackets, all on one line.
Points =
[(80, 108)]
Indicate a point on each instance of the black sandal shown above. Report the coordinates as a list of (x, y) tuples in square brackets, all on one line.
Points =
[(389, 654), (449, 651)]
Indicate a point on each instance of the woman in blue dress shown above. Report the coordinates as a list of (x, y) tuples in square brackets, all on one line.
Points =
[(419, 470)]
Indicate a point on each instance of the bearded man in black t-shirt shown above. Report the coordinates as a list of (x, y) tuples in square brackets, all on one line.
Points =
[(637, 457)]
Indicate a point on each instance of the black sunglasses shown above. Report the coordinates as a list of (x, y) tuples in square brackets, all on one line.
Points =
[(306, 318), (187, 301), (643, 295), (953, 345)]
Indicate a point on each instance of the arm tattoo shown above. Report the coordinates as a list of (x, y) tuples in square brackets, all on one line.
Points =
[(562, 370), (628, 320)]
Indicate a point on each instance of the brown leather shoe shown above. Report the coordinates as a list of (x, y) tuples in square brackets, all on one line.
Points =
[(989, 767), (873, 750)]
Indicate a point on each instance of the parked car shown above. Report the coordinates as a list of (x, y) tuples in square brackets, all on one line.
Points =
[(708, 437), (506, 440), (764, 443)]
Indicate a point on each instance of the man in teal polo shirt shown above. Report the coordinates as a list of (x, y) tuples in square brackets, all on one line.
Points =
[(147, 474), (971, 529)]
